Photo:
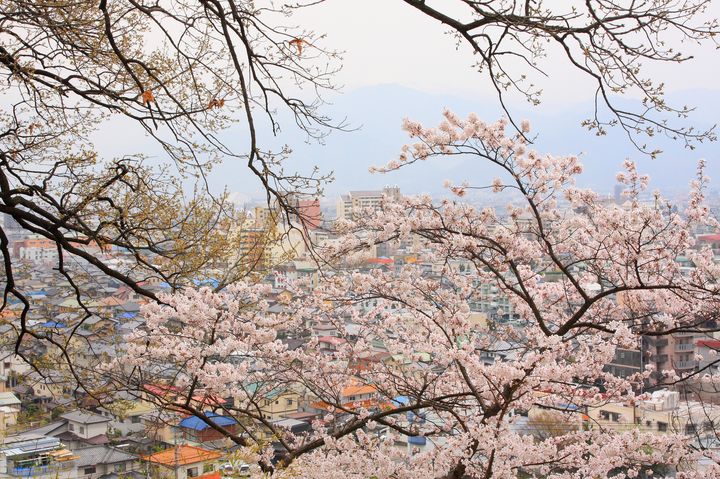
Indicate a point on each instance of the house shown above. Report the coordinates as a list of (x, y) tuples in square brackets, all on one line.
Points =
[(275, 403), (356, 395), (9, 410), (170, 393), (127, 417), (98, 461), (197, 430), (12, 367), (77, 429), (358, 392), (662, 413), (46, 388), (37, 456), (86, 425), (184, 462), (330, 344)]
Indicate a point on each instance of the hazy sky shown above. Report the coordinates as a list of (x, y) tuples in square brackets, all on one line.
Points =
[(387, 41)]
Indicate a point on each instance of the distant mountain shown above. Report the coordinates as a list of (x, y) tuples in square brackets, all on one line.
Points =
[(377, 113)]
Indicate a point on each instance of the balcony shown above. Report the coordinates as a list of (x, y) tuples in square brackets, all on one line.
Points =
[(684, 364), (30, 471), (685, 347)]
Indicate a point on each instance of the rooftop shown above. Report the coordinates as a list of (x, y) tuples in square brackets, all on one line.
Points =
[(84, 417), (182, 455), (196, 423), (91, 456), (9, 399)]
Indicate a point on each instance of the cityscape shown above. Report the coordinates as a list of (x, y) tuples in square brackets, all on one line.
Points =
[(330, 239)]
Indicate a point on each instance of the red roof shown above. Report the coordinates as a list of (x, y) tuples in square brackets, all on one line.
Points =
[(710, 237), (165, 390), (380, 261), (332, 340), (709, 343)]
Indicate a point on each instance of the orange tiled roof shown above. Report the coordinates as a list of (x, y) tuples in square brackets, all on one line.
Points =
[(212, 475), (182, 455), (356, 389), (355, 405)]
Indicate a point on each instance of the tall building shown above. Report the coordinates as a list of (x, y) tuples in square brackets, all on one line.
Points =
[(12, 228), (618, 194), (308, 213), (353, 204), (35, 248)]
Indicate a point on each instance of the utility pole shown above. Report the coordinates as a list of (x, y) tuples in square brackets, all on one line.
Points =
[(177, 459)]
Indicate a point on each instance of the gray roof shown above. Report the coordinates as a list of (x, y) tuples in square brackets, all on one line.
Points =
[(28, 444), (366, 193), (9, 399), (84, 417), (95, 455), (128, 474), (289, 423), (49, 429)]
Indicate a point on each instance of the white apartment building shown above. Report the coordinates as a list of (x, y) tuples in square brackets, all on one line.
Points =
[(352, 205)]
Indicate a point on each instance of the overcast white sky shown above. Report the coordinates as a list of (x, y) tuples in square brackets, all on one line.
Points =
[(387, 41)]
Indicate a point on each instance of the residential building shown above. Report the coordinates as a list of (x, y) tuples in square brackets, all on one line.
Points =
[(86, 424), (184, 462), (9, 410), (127, 417), (354, 203), (662, 413), (36, 249), (77, 429), (36, 456), (197, 430), (308, 213), (99, 461)]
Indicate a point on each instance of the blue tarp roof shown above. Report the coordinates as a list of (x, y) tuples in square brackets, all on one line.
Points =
[(53, 324), (417, 440), (194, 422), (211, 282), (401, 401)]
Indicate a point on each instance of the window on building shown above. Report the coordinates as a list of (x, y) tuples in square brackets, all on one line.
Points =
[(89, 470), (82, 430), (689, 428), (71, 426), (121, 467), (662, 426), (192, 472), (135, 419), (289, 402), (609, 416)]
